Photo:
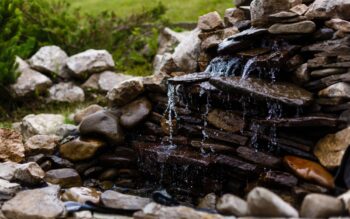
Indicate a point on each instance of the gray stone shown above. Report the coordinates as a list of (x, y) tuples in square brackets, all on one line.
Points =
[(50, 59), (323, 9), (102, 124), (66, 92), (331, 148), (169, 39), (135, 112), (327, 72), (261, 9), (11, 146), (37, 144), (186, 54), (264, 203), (91, 84), (302, 27), (239, 3), (321, 206), (65, 130), (41, 124), (29, 82), (118, 200), (164, 64), (108, 80), (35, 204), (91, 61), (283, 92), (156, 211), (125, 92), (7, 170), (211, 21), (29, 173), (341, 90), (81, 114), (7, 188), (232, 205)]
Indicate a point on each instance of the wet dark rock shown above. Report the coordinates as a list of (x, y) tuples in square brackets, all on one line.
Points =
[(345, 117), (237, 166), (108, 174), (59, 162), (190, 78), (64, 177), (239, 3), (318, 62), (254, 52), (115, 160), (80, 149), (118, 200), (135, 112), (337, 108), (318, 205), (327, 72), (289, 94), (323, 9), (309, 171), (226, 120), (323, 34), (330, 47), (310, 121), (104, 124), (164, 198), (264, 203), (240, 41), (226, 136), (257, 157), (243, 25), (212, 146), (282, 15), (278, 178), (93, 172), (328, 81)]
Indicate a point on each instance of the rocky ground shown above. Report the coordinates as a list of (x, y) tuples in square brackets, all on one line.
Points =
[(263, 130)]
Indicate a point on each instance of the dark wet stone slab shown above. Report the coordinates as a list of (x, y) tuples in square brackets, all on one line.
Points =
[(190, 78), (226, 136), (287, 93), (327, 72), (327, 81), (337, 108), (215, 147), (309, 121), (278, 178), (334, 47), (258, 157)]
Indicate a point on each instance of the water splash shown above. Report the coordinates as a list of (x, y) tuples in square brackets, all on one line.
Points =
[(274, 112), (224, 66), (171, 112), (248, 68), (205, 136)]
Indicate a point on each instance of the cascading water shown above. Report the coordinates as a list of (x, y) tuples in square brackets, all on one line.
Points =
[(248, 68), (171, 113), (274, 112), (224, 66)]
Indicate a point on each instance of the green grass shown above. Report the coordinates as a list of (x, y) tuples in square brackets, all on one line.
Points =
[(178, 10)]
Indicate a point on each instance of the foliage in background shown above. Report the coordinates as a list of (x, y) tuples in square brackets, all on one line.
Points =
[(131, 43), (10, 33)]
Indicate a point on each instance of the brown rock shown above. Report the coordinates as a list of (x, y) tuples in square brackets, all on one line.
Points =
[(303, 27), (226, 120), (80, 149), (118, 200), (81, 195), (11, 146), (81, 114), (323, 9), (330, 149), (340, 89), (339, 24), (309, 170), (65, 177), (37, 144), (300, 9), (233, 15), (208, 202), (321, 206), (210, 21), (125, 92)]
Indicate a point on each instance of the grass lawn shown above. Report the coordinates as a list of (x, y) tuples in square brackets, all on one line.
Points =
[(178, 10)]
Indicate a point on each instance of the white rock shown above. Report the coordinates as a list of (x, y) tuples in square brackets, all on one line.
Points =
[(118, 200), (41, 124), (29, 173), (321, 206), (35, 204), (340, 89), (41, 144), (89, 62), (125, 92), (187, 52), (8, 188), (232, 205), (108, 80), (169, 39), (264, 203), (29, 82), (66, 92), (50, 59)]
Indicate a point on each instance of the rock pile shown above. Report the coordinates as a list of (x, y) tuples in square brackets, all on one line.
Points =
[(264, 124)]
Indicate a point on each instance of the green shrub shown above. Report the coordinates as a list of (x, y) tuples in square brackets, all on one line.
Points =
[(129, 39)]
